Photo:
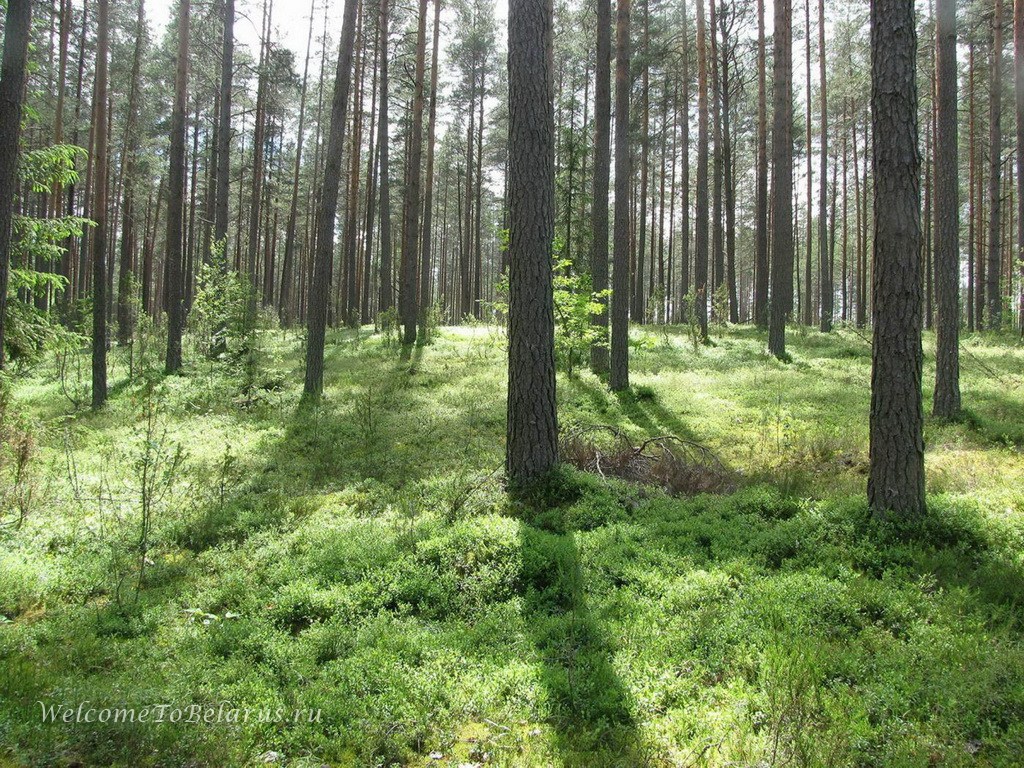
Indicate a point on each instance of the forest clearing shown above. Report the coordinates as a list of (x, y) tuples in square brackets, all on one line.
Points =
[(470, 383), (362, 559)]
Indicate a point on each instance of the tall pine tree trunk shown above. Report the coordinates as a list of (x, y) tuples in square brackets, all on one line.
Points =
[(782, 181), (1018, 82), (702, 214), (407, 300), (124, 278), (387, 293), (320, 284), (995, 143), (618, 378), (176, 199), (896, 474), (761, 184), (728, 173), (947, 219), (99, 212), (220, 226), (288, 265), (532, 426), (824, 252), (17, 30), (428, 194), (602, 171)]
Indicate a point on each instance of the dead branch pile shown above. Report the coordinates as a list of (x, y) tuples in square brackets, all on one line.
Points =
[(679, 467)]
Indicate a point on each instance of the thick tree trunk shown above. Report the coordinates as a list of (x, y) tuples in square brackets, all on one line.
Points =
[(17, 30), (947, 219), (618, 378), (602, 171), (782, 181), (896, 475), (532, 427), (176, 198), (320, 285)]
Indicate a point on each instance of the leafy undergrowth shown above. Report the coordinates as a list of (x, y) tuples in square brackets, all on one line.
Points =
[(360, 560)]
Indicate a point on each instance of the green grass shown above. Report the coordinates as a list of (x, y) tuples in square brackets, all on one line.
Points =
[(360, 558)]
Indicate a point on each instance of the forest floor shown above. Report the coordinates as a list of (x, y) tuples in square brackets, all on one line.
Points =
[(194, 544)]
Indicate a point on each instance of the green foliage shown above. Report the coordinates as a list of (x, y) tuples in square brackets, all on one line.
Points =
[(387, 322), (575, 304), (364, 559), (720, 304), (220, 310), (228, 326), (35, 244), (692, 326)]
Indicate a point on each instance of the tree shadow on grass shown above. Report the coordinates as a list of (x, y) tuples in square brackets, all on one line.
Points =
[(654, 411), (642, 408), (588, 705)]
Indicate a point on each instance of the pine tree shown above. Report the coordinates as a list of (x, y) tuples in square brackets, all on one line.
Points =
[(947, 219), (896, 472), (532, 427)]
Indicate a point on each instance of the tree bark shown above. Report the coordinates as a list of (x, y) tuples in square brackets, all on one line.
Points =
[(717, 232), (824, 252), (947, 218), (1018, 83), (602, 171), (17, 30), (995, 143), (258, 171), (99, 213), (288, 265), (896, 474), (619, 373), (728, 171), (131, 144), (350, 283), (782, 180), (407, 300), (320, 285), (702, 214), (638, 309), (176, 198), (684, 182), (387, 293), (532, 427), (428, 194), (761, 184), (220, 227)]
